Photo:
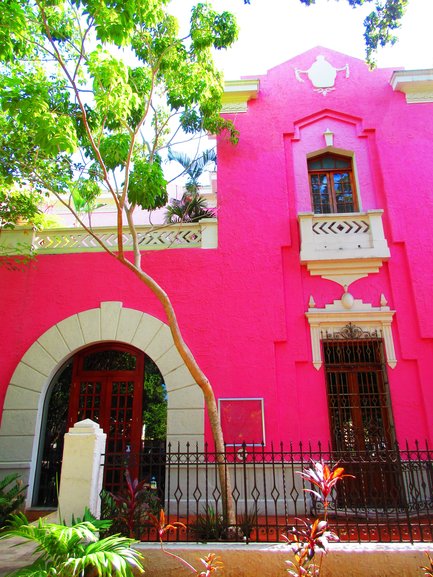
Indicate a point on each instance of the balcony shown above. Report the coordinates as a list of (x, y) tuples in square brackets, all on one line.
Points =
[(343, 247), (25, 240)]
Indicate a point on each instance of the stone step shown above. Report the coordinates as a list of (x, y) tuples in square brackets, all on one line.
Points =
[(35, 513)]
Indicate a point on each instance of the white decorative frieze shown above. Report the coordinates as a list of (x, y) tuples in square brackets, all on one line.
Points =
[(322, 75), (345, 311)]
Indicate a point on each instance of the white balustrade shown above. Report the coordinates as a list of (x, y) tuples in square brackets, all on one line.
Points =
[(342, 236), (343, 247), (22, 240)]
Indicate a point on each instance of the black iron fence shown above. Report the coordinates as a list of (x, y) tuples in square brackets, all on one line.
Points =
[(389, 499)]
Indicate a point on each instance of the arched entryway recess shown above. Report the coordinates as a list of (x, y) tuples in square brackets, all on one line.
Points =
[(111, 322)]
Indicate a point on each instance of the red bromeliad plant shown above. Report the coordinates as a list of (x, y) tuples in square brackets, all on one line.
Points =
[(325, 479), (131, 505), (314, 536)]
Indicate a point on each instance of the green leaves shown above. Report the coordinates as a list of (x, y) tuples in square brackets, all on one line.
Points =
[(147, 185), (84, 194), (89, 90), (114, 96), (73, 551), (208, 28), (114, 149), (17, 205), (380, 25), (40, 107)]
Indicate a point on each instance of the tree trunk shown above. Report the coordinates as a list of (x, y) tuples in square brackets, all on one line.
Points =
[(202, 381)]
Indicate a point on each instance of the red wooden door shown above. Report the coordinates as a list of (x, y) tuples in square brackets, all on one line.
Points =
[(107, 387), (361, 420)]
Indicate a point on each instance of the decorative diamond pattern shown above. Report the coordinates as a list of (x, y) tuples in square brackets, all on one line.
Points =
[(180, 236), (341, 227)]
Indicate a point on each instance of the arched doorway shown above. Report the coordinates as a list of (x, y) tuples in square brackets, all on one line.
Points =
[(32, 381), (120, 388)]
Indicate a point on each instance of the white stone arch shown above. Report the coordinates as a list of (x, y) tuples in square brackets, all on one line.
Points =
[(24, 402)]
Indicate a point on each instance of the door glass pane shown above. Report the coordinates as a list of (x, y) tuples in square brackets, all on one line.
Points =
[(320, 194), (52, 449), (110, 361), (89, 402), (119, 434), (343, 192)]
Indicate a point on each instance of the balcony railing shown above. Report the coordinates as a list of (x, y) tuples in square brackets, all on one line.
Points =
[(22, 240), (389, 500), (343, 247)]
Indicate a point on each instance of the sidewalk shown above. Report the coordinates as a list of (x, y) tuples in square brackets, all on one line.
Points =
[(14, 557)]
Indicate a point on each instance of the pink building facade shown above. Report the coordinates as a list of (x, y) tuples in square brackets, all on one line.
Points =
[(307, 303)]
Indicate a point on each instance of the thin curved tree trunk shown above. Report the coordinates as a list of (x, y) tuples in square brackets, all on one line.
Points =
[(201, 380)]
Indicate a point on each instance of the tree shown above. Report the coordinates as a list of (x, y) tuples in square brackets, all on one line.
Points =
[(193, 167), (379, 24), (191, 207), (89, 90)]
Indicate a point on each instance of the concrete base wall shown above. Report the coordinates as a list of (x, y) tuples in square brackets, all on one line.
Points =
[(253, 560)]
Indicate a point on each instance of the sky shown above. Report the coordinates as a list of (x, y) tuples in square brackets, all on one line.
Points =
[(273, 31)]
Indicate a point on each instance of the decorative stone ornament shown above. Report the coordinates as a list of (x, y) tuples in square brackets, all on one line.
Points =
[(347, 311), (347, 300), (321, 74)]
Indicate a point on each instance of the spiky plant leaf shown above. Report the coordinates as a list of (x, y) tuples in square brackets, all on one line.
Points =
[(73, 551)]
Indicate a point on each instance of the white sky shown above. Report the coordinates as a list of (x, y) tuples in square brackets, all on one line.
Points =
[(272, 31)]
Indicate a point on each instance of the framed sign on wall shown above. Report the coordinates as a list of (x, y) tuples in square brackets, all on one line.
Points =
[(242, 421)]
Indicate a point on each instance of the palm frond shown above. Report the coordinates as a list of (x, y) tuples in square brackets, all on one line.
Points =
[(39, 568), (74, 551), (193, 167), (190, 208), (12, 494)]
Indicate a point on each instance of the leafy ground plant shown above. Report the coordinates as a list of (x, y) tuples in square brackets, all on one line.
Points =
[(74, 551), (12, 494), (209, 526), (247, 522), (315, 535)]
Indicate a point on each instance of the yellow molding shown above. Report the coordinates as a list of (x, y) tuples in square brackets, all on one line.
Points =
[(417, 85), (237, 93)]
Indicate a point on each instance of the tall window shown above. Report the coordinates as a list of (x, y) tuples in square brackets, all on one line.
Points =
[(331, 183)]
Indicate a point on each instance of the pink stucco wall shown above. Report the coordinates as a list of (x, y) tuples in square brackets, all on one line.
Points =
[(242, 306)]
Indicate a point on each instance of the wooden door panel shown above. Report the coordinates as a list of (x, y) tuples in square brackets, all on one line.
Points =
[(360, 419)]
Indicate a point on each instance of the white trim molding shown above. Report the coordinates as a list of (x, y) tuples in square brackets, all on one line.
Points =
[(417, 85), (237, 93), (333, 317)]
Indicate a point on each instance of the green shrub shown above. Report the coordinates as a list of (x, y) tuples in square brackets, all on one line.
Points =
[(12, 495), (210, 526), (74, 551)]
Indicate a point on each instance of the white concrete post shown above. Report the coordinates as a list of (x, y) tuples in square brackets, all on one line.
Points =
[(377, 233), (209, 232), (307, 238), (81, 479)]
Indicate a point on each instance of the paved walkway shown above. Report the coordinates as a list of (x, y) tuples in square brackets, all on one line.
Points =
[(14, 557)]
